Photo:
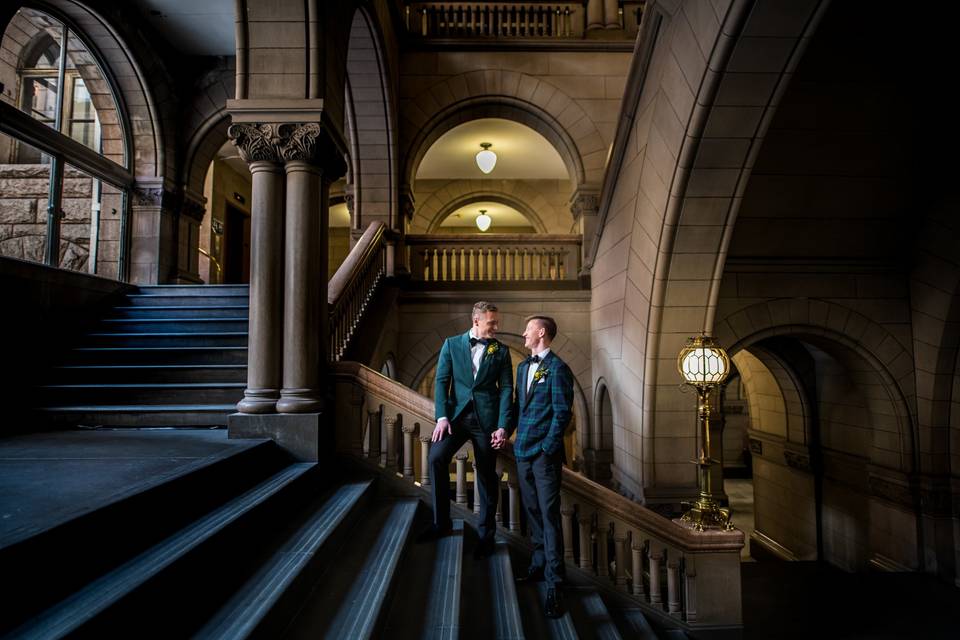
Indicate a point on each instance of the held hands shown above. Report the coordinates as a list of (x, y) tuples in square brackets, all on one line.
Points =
[(443, 428), (498, 438)]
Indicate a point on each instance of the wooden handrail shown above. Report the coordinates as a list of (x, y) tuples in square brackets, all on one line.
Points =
[(354, 285)]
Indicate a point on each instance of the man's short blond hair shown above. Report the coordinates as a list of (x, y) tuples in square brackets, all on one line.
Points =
[(483, 307)]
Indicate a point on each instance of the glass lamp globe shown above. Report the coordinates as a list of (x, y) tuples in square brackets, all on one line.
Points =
[(483, 220), (486, 159), (702, 362)]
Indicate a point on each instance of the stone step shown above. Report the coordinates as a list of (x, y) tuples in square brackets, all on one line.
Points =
[(143, 394), (161, 355), (349, 600), (168, 339), (90, 541), (443, 605), (185, 300), (590, 614), (635, 624), (264, 605), (110, 590), (506, 621), (134, 374), (185, 311), (561, 628), (139, 416), (170, 325), (202, 290)]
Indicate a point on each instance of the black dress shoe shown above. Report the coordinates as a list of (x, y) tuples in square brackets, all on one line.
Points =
[(484, 549), (432, 534), (554, 607), (533, 575)]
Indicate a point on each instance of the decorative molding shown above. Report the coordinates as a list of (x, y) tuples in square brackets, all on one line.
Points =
[(585, 203), (256, 142), (798, 461), (407, 203), (299, 141), (890, 491), (288, 142), (756, 447)]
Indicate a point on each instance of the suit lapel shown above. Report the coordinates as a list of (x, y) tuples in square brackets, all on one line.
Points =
[(545, 365), (522, 383), (466, 362)]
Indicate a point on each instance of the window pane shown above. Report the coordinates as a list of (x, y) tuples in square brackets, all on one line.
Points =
[(24, 193), (93, 118), (90, 227), (29, 67)]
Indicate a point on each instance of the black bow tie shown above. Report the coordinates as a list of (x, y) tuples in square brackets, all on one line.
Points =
[(474, 341), (533, 360)]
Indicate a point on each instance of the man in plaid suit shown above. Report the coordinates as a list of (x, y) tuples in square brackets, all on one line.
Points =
[(542, 412)]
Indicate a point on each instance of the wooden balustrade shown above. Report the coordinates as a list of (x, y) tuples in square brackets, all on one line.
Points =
[(499, 257), (353, 285), (528, 19), (673, 570)]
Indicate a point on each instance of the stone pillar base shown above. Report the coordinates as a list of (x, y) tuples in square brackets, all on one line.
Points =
[(304, 435)]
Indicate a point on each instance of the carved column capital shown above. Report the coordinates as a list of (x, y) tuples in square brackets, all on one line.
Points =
[(256, 141), (408, 428), (407, 203), (585, 203), (288, 142)]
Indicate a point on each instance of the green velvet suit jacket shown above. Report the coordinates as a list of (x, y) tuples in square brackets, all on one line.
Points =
[(491, 391)]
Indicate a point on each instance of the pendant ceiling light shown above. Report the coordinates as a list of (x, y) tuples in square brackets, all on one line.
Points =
[(483, 220), (486, 159)]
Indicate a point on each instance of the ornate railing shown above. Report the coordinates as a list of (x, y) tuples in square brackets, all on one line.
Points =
[(529, 19), (353, 285), (501, 257), (672, 570)]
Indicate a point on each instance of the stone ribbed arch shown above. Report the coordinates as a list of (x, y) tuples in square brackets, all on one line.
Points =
[(795, 400), (701, 92), (873, 355), (497, 93), (372, 132), (524, 199)]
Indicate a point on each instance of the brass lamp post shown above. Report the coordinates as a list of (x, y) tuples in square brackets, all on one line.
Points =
[(704, 365)]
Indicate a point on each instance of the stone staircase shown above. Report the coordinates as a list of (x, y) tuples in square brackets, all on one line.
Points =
[(257, 545), (167, 355)]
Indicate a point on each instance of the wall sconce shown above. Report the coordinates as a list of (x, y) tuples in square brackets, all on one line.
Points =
[(486, 159), (704, 365)]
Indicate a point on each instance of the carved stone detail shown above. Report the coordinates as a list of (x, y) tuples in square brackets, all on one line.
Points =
[(585, 204), (299, 141), (797, 460), (152, 197), (256, 142), (407, 206)]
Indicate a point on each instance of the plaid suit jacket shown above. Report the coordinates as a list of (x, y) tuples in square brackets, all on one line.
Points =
[(542, 414)]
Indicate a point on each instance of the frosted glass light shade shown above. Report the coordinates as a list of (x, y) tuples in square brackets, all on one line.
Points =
[(483, 220), (703, 362), (486, 159)]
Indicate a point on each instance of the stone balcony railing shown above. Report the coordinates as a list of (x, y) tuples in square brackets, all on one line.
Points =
[(668, 568), (529, 19), (493, 257)]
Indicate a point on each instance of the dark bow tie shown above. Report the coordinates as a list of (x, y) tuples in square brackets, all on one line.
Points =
[(533, 360), (474, 341)]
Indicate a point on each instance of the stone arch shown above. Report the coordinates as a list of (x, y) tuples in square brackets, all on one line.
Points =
[(371, 128), (600, 435), (207, 125), (144, 118), (446, 208), (890, 364), (543, 117)]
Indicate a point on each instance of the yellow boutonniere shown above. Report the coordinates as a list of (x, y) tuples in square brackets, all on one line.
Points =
[(540, 374), (492, 348)]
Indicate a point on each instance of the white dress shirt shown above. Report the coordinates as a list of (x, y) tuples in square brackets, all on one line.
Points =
[(476, 356), (532, 368)]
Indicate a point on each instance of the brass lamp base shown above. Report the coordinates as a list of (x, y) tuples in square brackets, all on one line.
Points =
[(707, 514)]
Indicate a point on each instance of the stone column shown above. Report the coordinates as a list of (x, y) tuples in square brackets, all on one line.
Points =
[(266, 270), (585, 207), (461, 458)]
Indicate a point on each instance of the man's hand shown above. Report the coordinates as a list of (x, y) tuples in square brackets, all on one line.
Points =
[(443, 425), (498, 438)]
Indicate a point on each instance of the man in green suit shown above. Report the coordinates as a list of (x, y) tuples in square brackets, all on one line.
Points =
[(473, 394)]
